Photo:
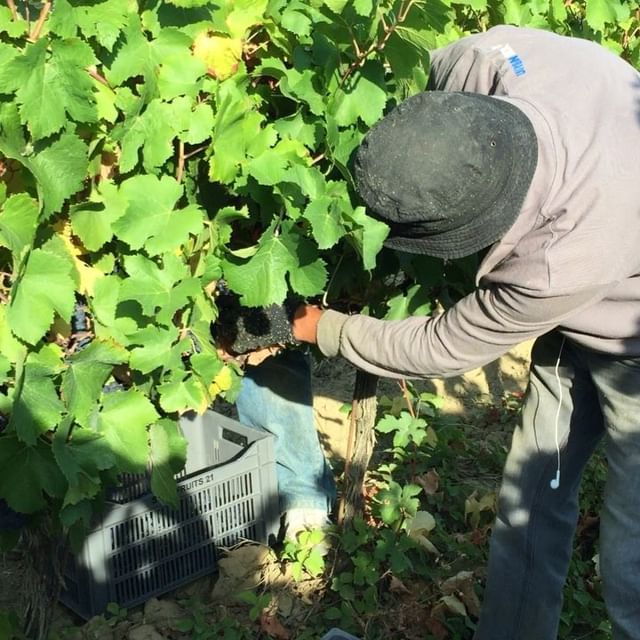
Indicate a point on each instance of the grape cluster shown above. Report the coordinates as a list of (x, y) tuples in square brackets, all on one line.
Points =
[(241, 329)]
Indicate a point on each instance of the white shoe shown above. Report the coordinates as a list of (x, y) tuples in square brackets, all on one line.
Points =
[(302, 519)]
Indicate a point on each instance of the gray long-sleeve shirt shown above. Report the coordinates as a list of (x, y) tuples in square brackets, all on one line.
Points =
[(572, 258)]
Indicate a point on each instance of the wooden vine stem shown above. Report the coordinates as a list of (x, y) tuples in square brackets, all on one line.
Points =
[(43, 554), (359, 447)]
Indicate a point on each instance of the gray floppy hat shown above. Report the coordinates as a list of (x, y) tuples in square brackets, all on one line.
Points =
[(447, 171)]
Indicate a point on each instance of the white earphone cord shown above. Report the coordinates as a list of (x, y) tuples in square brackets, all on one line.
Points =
[(555, 483)]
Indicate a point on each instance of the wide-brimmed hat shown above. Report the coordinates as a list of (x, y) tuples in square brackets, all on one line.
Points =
[(447, 171)]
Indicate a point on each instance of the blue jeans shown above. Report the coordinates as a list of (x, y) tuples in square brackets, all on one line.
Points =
[(532, 540), (276, 397)]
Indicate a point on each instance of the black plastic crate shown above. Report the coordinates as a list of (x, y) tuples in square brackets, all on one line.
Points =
[(141, 548)]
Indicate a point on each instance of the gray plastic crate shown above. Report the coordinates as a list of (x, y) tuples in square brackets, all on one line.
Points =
[(141, 548)]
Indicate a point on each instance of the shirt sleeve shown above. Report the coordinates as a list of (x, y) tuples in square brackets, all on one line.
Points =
[(475, 331)]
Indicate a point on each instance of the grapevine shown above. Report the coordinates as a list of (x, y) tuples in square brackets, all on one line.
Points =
[(149, 149)]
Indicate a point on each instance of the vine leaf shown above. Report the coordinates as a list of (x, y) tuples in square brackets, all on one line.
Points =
[(27, 474), (88, 370), (102, 20), (60, 169), (244, 15), (221, 54), (324, 215), (150, 220), (167, 55), (50, 87), (123, 421), (36, 407), (45, 287), (81, 458), (168, 454), (18, 224), (159, 347), (160, 291), (368, 236), (365, 99), (261, 280)]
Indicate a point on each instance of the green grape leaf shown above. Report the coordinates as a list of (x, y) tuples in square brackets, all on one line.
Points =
[(88, 370), (296, 21), (84, 453), (269, 168), (515, 12), (13, 28), (261, 280), (148, 284), (93, 222), (199, 125), (245, 14), (368, 236), (310, 274), (156, 350), (178, 396), (236, 125), (189, 4), (10, 347), (168, 454), (28, 473), (60, 169), (150, 220), (104, 20), (81, 458), (152, 131), (364, 98), (37, 407), (601, 12), (45, 286), (324, 215), (363, 7), (141, 57), (299, 86), (18, 223), (416, 301), (123, 422), (8, 54), (337, 6), (51, 86), (296, 127), (106, 296), (179, 75)]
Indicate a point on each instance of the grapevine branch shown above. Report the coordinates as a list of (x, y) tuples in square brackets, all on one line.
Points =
[(44, 12), (379, 45), (181, 159), (407, 396), (14, 11), (96, 75)]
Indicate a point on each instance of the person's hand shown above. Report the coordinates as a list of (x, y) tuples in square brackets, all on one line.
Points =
[(305, 323)]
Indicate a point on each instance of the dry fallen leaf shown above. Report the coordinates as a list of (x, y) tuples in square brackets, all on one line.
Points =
[(270, 625), (461, 586), (430, 482), (397, 586)]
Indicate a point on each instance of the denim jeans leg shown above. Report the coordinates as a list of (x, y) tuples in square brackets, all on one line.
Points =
[(618, 382), (531, 542), (276, 396)]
